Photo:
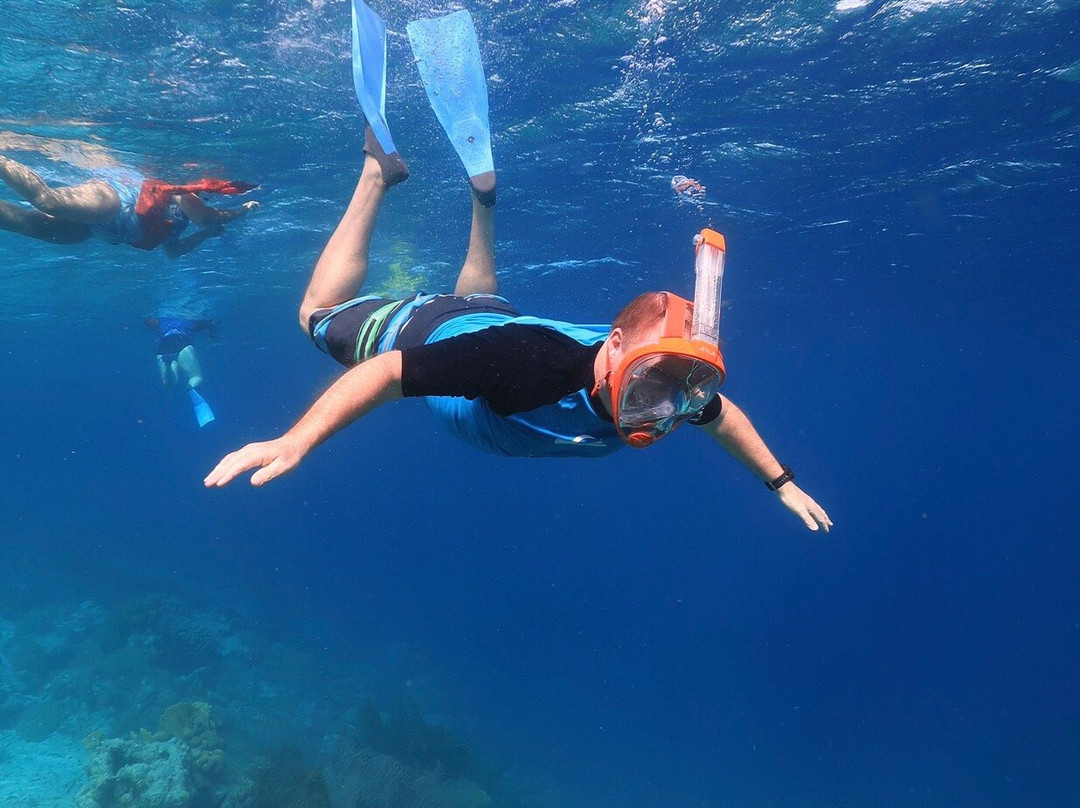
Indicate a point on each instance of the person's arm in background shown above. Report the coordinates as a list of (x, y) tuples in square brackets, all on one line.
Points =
[(355, 394), (207, 216), (176, 247), (211, 220), (733, 430)]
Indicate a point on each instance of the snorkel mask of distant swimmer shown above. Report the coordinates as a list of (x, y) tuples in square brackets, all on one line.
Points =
[(658, 386)]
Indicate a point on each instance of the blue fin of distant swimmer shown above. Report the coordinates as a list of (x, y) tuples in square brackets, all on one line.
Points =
[(203, 413)]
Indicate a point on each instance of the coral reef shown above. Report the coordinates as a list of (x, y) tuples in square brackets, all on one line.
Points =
[(129, 773), (281, 780), (363, 778), (179, 766), (179, 640), (403, 733), (191, 723), (136, 681)]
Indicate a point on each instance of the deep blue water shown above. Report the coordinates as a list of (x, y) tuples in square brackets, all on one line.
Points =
[(900, 189)]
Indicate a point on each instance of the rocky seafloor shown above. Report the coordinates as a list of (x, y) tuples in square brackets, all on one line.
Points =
[(155, 704)]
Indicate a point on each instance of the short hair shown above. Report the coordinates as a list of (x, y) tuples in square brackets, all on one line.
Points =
[(641, 313)]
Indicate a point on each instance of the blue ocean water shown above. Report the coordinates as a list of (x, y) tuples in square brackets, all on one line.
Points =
[(899, 185)]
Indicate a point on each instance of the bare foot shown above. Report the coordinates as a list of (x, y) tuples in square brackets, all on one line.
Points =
[(392, 166), (483, 188)]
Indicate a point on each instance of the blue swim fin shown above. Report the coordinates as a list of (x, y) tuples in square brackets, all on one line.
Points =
[(202, 410), (369, 70), (448, 57)]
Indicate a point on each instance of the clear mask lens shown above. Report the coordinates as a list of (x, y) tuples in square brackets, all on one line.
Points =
[(661, 391)]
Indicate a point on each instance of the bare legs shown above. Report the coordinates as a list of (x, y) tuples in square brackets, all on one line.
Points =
[(184, 367), (89, 203), (34, 223), (189, 364), (342, 268)]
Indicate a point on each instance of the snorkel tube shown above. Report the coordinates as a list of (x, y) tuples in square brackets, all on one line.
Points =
[(709, 252)]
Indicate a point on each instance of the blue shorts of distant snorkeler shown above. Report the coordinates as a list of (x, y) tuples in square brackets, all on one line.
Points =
[(507, 384), (125, 228), (171, 344)]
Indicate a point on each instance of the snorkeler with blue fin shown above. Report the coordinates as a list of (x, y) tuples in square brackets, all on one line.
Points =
[(177, 362)]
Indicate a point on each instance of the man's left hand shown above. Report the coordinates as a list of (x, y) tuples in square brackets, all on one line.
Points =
[(272, 459), (802, 505)]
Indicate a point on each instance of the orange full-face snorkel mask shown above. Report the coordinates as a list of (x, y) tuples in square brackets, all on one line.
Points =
[(658, 386)]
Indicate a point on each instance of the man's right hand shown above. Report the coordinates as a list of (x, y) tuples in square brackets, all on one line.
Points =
[(273, 458)]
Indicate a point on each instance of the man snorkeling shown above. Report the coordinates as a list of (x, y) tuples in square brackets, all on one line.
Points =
[(177, 363), (154, 214), (505, 383)]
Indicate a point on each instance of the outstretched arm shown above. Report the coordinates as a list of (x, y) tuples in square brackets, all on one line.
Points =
[(210, 219), (206, 216), (733, 430), (358, 392)]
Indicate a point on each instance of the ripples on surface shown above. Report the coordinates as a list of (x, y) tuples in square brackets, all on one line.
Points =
[(595, 107)]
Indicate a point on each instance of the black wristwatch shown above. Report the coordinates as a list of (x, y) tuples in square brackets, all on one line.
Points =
[(786, 477)]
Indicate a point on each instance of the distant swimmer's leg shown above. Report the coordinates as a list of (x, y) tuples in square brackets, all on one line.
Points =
[(478, 272), (93, 202), (189, 363), (35, 224), (342, 268), (163, 370)]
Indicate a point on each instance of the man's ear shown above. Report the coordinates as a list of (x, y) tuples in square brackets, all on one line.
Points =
[(615, 340)]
